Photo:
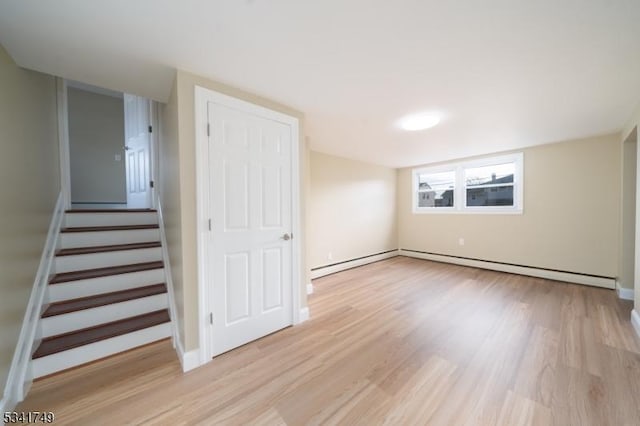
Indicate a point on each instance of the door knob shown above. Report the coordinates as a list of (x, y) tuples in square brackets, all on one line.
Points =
[(126, 148), (286, 237)]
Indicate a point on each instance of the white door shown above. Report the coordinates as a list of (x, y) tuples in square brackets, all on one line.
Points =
[(250, 246), (137, 150)]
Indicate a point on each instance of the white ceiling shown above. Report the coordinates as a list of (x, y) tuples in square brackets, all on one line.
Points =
[(504, 73)]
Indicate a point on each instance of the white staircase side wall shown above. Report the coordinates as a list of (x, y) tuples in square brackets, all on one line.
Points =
[(107, 238), (89, 287), (62, 360), (73, 220), (59, 324), (81, 262)]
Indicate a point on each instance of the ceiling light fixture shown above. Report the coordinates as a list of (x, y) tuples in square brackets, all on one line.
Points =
[(416, 122)]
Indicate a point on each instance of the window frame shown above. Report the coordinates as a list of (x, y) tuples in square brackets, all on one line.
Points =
[(460, 186)]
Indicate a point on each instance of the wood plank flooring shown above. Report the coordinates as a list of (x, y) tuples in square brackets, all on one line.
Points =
[(398, 342)]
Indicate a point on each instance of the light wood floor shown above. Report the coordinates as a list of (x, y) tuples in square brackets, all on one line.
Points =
[(398, 342)]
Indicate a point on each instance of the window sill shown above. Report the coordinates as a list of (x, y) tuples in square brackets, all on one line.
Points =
[(469, 211)]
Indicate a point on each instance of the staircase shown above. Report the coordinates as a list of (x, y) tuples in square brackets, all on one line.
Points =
[(107, 292)]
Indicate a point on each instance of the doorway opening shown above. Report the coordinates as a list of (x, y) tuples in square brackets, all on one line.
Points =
[(111, 148), (628, 240)]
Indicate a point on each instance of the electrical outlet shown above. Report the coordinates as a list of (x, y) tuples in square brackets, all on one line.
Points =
[(329, 256), (118, 157), (461, 241)]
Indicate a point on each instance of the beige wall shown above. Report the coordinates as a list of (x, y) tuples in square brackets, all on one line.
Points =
[(352, 209), (96, 135), (570, 221), (179, 191), (29, 187)]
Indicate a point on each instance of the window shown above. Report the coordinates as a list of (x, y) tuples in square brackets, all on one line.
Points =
[(489, 185), (436, 189)]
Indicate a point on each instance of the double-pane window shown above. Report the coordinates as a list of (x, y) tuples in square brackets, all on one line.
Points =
[(488, 185)]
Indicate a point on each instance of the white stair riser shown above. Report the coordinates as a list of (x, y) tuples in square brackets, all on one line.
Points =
[(110, 219), (62, 360), (107, 238), (52, 326), (82, 288), (102, 260)]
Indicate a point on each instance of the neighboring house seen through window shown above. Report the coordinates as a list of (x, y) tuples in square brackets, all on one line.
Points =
[(436, 189), (488, 185)]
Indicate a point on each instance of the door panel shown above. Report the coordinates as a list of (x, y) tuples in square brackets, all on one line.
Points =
[(237, 287), (272, 278), (236, 195), (271, 197), (250, 167)]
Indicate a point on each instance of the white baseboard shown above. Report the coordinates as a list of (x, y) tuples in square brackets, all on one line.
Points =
[(309, 288), (19, 378), (304, 315), (191, 360), (635, 321), (609, 283), (624, 293), (321, 272), (188, 360)]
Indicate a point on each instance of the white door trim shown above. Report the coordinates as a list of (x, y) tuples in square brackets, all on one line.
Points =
[(202, 96), (154, 151)]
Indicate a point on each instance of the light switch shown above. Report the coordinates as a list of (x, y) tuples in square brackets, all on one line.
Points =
[(118, 157)]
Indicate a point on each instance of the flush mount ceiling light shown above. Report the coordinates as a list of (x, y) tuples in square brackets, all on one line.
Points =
[(416, 122)]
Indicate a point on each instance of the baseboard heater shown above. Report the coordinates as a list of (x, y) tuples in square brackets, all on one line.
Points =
[(321, 271), (551, 274)]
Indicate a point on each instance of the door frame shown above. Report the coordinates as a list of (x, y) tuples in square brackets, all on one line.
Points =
[(205, 305), (629, 203), (62, 101)]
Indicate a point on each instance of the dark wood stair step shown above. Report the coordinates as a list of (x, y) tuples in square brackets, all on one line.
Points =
[(67, 306), (103, 249), (104, 272), (64, 342), (108, 228), (112, 211)]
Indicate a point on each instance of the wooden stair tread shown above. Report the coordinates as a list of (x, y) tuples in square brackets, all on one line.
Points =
[(102, 249), (95, 301), (103, 272), (112, 211), (63, 342), (108, 228)]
